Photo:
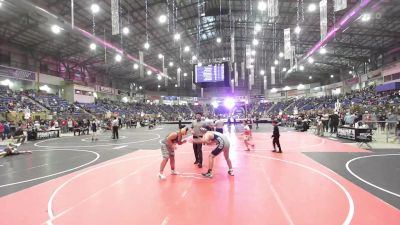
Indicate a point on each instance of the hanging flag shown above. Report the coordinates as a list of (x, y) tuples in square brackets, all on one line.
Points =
[(165, 72), (273, 75), (272, 8), (178, 77), (115, 17), (287, 45), (193, 84), (242, 70), (323, 14), (265, 83), (233, 47), (292, 52), (141, 72), (236, 75), (339, 5), (202, 92)]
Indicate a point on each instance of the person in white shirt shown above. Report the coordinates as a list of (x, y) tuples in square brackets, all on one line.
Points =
[(115, 125)]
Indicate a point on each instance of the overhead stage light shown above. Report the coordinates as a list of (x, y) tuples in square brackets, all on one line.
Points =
[(146, 45), (262, 6), (56, 29), (177, 37), (125, 30), (118, 58), (255, 42), (312, 7), (92, 46), (297, 29), (162, 19), (186, 49), (94, 8)]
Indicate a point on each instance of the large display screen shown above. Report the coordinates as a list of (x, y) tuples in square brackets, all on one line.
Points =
[(209, 73)]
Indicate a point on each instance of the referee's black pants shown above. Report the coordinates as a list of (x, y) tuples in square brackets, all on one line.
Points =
[(115, 132)]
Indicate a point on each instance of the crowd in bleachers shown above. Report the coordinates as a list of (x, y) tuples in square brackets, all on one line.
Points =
[(15, 101)]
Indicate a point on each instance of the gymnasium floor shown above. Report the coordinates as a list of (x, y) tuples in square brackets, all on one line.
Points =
[(72, 181)]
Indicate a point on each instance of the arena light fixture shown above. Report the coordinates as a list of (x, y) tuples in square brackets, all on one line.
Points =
[(214, 104), (199, 64), (262, 72), (350, 72), (332, 76), (56, 29), (171, 64), (300, 87), (310, 60), (255, 42), (162, 19), (365, 17), (322, 51), (149, 72), (262, 6), (297, 29), (92, 46), (177, 37), (276, 62), (312, 7), (194, 57), (146, 45), (310, 77), (301, 67), (160, 56), (284, 69), (176, 85), (186, 49), (229, 103), (95, 8), (118, 58), (159, 77), (257, 28), (274, 90), (280, 54), (286, 88), (179, 69), (135, 66), (219, 40), (185, 74), (125, 30), (253, 52)]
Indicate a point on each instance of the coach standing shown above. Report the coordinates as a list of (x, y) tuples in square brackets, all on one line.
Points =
[(115, 125), (197, 135)]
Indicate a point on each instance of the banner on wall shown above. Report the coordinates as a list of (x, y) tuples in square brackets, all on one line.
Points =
[(273, 75), (323, 15), (287, 46), (141, 71), (352, 81), (17, 73), (236, 75), (339, 5), (115, 17), (233, 47), (178, 77), (103, 89)]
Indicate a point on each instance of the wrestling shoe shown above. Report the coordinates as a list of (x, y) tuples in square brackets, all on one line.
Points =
[(173, 172), (208, 174), (230, 172), (162, 176)]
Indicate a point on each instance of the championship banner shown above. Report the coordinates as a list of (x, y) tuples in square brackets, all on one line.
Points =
[(233, 47), (141, 72), (178, 77), (265, 83), (115, 17), (242, 70), (165, 72), (273, 75), (193, 84), (287, 45), (272, 8), (15, 73), (339, 5), (236, 75), (323, 14)]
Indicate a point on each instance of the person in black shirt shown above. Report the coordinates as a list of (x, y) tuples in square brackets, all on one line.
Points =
[(275, 136)]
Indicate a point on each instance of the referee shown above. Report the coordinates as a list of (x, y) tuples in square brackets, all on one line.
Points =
[(198, 135)]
